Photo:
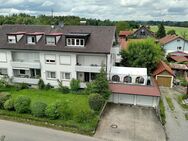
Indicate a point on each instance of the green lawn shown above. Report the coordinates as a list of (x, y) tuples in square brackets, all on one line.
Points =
[(75, 101), (170, 103), (179, 30)]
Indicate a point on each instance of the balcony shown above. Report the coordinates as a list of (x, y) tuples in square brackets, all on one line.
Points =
[(19, 64), (32, 81), (92, 68)]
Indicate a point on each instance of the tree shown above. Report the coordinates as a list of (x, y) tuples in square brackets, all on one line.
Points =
[(122, 25), (171, 32), (145, 53), (161, 31)]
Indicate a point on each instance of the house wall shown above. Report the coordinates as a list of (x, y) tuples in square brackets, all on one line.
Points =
[(172, 46)]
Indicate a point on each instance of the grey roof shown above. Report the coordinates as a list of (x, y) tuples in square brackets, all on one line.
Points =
[(99, 41)]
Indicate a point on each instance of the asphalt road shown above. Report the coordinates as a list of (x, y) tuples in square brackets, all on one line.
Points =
[(22, 132)]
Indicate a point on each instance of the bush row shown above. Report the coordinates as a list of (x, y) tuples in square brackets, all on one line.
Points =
[(57, 110)]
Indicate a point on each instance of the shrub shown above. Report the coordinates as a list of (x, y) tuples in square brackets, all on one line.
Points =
[(91, 88), (3, 97), (84, 116), (170, 103), (75, 85), (3, 82), (41, 84), (22, 104), (96, 102), (63, 89), (48, 86), (38, 109), (9, 104), (162, 112), (22, 86), (66, 112), (53, 111)]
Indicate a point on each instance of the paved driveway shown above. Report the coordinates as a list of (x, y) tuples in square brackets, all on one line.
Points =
[(22, 132), (133, 124), (176, 125)]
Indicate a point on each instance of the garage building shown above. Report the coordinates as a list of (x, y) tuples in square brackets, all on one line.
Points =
[(164, 75), (142, 95)]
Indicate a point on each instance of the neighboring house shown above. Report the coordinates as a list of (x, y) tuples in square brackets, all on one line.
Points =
[(125, 34), (164, 75), (143, 32), (173, 43), (179, 70), (29, 52), (178, 57)]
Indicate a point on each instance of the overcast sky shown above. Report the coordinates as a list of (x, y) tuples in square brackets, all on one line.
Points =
[(175, 10)]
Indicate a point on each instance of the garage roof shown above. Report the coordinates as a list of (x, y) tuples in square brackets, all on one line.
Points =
[(118, 88), (161, 67), (129, 71)]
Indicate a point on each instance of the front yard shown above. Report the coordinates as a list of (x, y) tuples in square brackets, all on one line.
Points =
[(78, 103)]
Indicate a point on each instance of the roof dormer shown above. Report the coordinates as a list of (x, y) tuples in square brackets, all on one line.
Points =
[(33, 38), (76, 39), (53, 38), (14, 37)]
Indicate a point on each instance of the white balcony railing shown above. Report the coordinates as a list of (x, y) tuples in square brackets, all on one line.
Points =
[(25, 80), (94, 69), (35, 65)]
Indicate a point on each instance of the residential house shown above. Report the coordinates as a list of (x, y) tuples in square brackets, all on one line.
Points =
[(30, 52), (173, 43)]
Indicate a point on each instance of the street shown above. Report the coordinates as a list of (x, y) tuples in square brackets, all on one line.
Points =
[(22, 132)]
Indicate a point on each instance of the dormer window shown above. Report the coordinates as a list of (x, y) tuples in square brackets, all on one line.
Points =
[(11, 39), (50, 40), (53, 38), (31, 39), (75, 42)]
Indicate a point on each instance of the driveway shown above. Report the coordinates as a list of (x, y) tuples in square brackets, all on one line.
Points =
[(133, 124), (176, 125), (22, 132)]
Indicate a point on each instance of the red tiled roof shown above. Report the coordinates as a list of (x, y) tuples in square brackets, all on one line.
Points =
[(135, 89), (168, 39), (162, 66), (178, 53), (125, 33), (176, 66), (179, 58), (124, 43)]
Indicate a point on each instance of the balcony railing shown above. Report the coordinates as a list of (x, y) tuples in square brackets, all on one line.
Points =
[(19, 64), (25, 80), (92, 68)]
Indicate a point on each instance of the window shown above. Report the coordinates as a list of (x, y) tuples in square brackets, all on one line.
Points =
[(3, 71), (3, 57), (75, 42), (50, 75), (127, 79), (140, 80), (50, 40), (178, 40), (31, 39), (66, 75), (50, 59), (22, 72), (93, 76), (11, 39), (65, 60), (179, 48), (116, 78), (143, 32)]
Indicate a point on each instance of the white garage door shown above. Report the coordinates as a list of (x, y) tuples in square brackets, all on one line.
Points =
[(144, 100), (126, 99)]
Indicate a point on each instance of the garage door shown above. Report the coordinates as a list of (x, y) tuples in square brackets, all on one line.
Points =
[(164, 81), (126, 99), (144, 100)]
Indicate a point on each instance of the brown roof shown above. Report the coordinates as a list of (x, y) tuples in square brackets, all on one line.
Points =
[(125, 33), (178, 66), (161, 67), (99, 41), (179, 58), (169, 38), (178, 53), (135, 89)]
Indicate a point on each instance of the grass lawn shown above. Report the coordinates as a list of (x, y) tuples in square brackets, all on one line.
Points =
[(162, 112), (76, 102), (170, 104), (180, 101), (179, 30)]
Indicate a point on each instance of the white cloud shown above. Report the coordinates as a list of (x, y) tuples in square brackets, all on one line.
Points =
[(103, 9)]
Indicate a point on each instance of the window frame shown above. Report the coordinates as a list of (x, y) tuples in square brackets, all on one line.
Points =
[(32, 37), (1, 74), (50, 61), (63, 76), (50, 43), (117, 78), (50, 78), (9, 40), (75, 42)]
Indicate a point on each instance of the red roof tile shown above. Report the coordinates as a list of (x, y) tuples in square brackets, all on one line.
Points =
[(179, 58), (178, 53), (168, 39), (55, 34), (135, 89), (125, 33), (162, 66)]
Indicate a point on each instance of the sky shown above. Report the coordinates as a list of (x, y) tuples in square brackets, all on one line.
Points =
[(173, 10)]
